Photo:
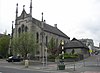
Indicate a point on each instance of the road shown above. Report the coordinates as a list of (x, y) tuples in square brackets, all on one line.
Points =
[(89, 65), (12, 70)]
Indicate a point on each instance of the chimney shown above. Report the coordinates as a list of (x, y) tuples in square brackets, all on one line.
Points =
[(44, 21), (55, 25)]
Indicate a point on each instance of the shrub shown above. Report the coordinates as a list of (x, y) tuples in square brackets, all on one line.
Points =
[(51, 57), (66, 56)]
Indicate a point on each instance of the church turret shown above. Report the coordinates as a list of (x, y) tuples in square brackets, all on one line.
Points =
[(12, 29), (16, 14), (23, 7), (42, 21), (42, 16), (31, 7), (16, 10)]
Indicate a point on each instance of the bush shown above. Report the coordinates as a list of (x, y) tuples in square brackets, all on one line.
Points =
[(66, 56), (51, 58)]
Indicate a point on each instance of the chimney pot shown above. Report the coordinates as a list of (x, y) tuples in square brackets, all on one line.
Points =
[(55, 25)]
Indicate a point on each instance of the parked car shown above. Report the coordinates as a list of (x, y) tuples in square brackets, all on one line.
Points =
[(14, 59)]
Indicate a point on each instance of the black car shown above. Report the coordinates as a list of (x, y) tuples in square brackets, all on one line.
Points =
[(14, 59)]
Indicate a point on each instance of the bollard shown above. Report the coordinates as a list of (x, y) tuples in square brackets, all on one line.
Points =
[(26, 63)]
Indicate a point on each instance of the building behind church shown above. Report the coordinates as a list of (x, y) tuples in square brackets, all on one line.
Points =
[(43, 32)]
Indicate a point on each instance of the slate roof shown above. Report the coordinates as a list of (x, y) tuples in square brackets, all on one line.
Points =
[(50, 29), (47, 27), (74, 43), (54, 30)]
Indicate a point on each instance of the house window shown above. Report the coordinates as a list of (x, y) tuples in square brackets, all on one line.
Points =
[(37, 37)]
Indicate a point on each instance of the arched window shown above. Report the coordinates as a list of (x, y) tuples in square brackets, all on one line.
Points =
[(23, 28), (46, 40), (26, 28), (37, 37), (19, 30)]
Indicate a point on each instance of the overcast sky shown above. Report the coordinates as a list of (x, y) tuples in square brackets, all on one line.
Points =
[(76, 18)]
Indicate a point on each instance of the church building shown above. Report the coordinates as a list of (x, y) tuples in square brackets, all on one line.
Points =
[(43, 32)]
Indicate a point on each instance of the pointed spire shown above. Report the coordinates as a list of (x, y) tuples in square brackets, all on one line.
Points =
[(12, 29), (23, 7), (42, 16), (16, 10), (31, 7)]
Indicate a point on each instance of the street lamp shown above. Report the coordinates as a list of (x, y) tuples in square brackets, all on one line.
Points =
[(42, 38)]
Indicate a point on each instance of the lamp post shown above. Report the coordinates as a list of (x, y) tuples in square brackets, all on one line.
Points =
[(42, 38), (43, 46)]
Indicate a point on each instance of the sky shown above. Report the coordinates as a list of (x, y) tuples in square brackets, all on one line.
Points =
[(76, 18)]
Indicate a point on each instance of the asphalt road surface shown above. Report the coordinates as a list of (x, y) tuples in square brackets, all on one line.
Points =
[(11, 70)]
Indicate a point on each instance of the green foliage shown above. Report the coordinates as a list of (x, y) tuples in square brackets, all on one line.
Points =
[(53, 46), (4, 45), (24, 44), (66, 56), (52, 43), (51, 57)]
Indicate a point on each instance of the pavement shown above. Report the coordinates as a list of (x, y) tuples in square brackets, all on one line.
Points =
[(89, 65)]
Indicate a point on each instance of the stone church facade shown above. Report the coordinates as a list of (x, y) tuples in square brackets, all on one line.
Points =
[(43, 32)]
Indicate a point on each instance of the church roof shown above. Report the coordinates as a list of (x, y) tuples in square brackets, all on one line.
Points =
[(74, 43), (51, 29), (54, 30)]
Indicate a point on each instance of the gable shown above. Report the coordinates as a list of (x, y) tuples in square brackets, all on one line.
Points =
[(23, 15)]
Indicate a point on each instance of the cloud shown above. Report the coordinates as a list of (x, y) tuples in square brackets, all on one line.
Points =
[(91, 27), (76, 18)]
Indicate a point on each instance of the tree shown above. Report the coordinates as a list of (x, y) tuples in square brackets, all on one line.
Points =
[(24, 44), (4, 45), (53, 47)]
